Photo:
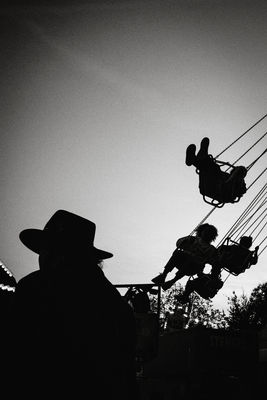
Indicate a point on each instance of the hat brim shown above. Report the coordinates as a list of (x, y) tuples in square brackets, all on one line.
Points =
[(32, 239)]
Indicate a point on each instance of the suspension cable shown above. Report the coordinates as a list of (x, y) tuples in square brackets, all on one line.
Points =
[(264, 246), (243, 134), (255, 180), (243, 226), (203, 220), (246, 231), (245, 213), (227, 277), (251, 147), (260, 231), (254, 162)]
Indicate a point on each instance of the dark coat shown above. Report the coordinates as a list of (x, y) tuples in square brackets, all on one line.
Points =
[(75, 335)]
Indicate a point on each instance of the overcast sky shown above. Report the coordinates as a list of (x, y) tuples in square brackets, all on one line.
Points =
[(98, 104)]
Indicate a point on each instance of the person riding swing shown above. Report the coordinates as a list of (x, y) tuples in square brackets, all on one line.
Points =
[(191, 255), (236, 258), (206, 285), (221, 186)]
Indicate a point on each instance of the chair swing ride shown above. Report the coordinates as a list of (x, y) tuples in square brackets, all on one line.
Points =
[(234, 249), (218, 187)]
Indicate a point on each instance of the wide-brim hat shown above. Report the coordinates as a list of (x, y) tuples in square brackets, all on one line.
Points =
[(64, 227)]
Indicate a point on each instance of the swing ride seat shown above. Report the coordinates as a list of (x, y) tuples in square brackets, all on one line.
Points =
[(204, 285), (237, 269), (209, 287), (234, 272), (214, 183), (215, 189), (235, 259)]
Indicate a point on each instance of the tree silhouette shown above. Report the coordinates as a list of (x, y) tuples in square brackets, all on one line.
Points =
[(248, 312), (198, 313)]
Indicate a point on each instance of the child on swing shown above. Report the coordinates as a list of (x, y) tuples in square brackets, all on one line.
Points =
[(213, 182), (191, 255), (238, 257)]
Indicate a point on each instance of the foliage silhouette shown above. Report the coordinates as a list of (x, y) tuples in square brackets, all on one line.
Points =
[(197, 313), (248, 312)]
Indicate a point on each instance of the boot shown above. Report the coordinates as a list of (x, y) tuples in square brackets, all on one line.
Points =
[(167, 285), (204, 147), (159, 279), (190, 155)]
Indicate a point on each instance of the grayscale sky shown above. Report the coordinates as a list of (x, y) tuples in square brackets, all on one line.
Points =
[(99, 101)]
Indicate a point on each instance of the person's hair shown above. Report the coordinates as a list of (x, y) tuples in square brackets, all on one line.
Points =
[(245, 241), (210, 231), (201, 228)]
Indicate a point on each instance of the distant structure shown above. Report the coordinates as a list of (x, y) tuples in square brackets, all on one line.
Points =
[(7, 281)]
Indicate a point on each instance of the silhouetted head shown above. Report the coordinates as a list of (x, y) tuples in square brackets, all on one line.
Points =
[(65, 233), (246, 241), (241, 171), (207, 232)]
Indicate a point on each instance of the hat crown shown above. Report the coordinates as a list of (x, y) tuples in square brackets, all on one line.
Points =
[(67, 229), (65, 223)]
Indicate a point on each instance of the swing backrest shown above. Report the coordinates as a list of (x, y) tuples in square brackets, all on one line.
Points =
[(235, 258), (213, 202), (213, 187), (208, 287), (210, 185)]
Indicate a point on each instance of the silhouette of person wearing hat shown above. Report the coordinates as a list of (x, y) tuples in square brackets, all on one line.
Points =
[(76, 333)]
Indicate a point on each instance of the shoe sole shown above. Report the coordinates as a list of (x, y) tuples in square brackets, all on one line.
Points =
[(190, 155)]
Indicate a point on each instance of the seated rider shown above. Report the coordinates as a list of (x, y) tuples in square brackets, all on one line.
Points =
[(206, 285), (138, 298), (237, 257), (213, 182), (191, 255)]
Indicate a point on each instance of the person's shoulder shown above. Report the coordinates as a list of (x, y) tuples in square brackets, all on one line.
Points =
[(28, 279), (211, 248), (185, 240), (243, 250), (215, 249), (190, 238)]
